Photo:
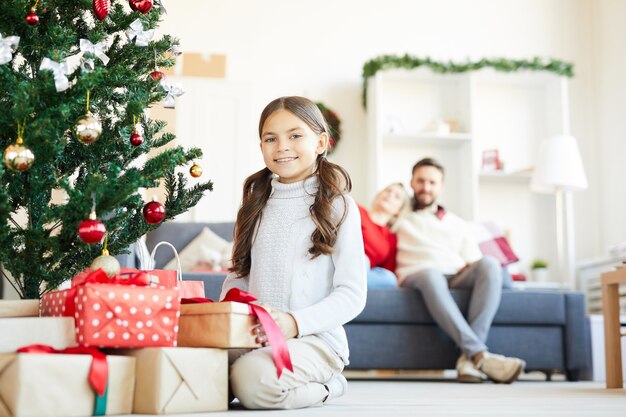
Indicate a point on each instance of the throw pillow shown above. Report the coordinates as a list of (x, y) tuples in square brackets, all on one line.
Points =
[(207, 251), (492, 241)]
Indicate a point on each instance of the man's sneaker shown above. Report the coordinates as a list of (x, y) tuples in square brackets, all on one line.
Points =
[(336, 386), (500, 368), (467, 372)]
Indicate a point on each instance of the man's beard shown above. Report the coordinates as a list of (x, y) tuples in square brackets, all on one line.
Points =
[(420, 205)]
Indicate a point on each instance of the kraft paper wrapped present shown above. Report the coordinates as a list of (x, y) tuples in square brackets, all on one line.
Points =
[(57, 332), (40, 385), (118, 313), (19, 308), (229, 324), (218, 325), (180, 380)]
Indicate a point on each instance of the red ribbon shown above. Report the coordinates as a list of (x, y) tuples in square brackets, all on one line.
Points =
[(275, 337), (98, 372), (195, 300), (98, 276)]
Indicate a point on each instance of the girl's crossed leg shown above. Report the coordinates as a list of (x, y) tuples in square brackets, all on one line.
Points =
[(254, 381)]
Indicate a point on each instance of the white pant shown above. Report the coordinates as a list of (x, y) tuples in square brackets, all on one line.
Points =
[(254, 381)]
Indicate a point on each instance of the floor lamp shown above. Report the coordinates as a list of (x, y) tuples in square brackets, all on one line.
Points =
[(560, 171)]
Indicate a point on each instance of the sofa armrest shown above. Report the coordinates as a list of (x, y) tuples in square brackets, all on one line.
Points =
[(577, 344)]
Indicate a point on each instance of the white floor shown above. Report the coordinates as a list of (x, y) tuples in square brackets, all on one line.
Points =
[(446, 398)]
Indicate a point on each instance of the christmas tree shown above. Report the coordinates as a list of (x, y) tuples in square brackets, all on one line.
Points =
[(76, 79)]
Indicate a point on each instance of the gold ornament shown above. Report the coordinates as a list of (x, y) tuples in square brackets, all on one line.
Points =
[(195, 170), (107, 263), (18, 157), (87, 129)]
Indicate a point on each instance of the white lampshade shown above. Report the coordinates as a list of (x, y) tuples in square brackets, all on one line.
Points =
[(559, 166)]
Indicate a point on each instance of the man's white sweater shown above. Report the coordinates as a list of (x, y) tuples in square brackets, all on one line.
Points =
[(425, 241), (323, 293)]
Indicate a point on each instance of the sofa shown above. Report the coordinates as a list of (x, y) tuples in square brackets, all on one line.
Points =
[(546, 328)]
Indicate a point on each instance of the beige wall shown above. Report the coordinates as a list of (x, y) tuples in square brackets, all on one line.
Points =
[(317, 49)]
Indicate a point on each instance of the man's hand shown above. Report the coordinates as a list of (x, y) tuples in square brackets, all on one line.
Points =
[(460, 271), (285, 321)]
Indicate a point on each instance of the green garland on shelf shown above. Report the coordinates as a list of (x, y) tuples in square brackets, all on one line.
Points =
[(407, 61)]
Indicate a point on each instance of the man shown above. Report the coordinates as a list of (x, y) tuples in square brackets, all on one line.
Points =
[(436, 252)]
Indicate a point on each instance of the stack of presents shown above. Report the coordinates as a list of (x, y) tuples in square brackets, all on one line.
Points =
[(140, 342)]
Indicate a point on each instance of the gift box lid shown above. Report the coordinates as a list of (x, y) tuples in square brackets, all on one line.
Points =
[(214, 308)]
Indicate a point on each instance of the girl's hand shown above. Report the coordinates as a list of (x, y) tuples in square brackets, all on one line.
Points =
[(285, 321)]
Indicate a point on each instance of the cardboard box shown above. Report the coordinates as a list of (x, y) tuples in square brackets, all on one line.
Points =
[(15, 333), (19, 308), (180, 380), (218, 325), (36, 385)]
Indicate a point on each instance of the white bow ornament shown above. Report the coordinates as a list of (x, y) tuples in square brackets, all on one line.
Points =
[(60, 71), (8, 46), (98, 49), (142, 37), (173, 91)]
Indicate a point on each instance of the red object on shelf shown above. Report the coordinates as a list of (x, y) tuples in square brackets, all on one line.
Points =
[(518, 277)]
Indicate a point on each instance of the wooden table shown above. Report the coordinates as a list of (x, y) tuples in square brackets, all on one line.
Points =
[(612, 327)]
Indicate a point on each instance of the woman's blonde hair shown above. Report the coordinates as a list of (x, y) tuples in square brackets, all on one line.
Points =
[(333, 182), (406, 202)]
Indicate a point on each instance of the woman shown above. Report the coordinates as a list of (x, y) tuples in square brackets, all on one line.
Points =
[(380, 243)]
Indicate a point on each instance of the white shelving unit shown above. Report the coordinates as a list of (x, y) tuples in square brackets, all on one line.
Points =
[(510, 112)]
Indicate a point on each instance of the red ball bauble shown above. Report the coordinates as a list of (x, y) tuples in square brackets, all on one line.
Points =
[(154, 212), (91, 231), (32, 18), (157, 75), (135, 138), (142, 6)]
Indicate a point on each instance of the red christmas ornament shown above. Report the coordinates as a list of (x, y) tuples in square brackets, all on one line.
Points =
[(157, 75), (32, 18), (101, 8), (142, 6), (92, 230), (154, 212), (135, 138)]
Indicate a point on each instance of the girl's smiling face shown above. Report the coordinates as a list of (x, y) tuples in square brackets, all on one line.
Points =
[(290, 147)]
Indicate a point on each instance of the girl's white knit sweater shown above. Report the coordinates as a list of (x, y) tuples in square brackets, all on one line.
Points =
[(323, 293)]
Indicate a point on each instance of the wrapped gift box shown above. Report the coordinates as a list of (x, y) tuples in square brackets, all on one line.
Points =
[(19, 308), (219, 325), (36, 385), (57, 332), (180, 380), (112, 315)]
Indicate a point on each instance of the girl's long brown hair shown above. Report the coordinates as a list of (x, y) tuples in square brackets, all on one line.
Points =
[(333, 182)]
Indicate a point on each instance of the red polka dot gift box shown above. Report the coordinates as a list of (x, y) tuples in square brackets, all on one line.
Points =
[(118, 312)]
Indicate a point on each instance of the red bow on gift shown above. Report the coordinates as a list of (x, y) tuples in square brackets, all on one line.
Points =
[(98, 372), (280, 351), (140, 279), (98, 276)]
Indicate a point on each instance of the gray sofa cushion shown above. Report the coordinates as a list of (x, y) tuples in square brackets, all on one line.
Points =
[(392, 305), (180, 235)]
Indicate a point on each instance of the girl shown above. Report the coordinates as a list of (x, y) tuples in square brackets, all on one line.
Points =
[(298, 248), (380, 243)]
